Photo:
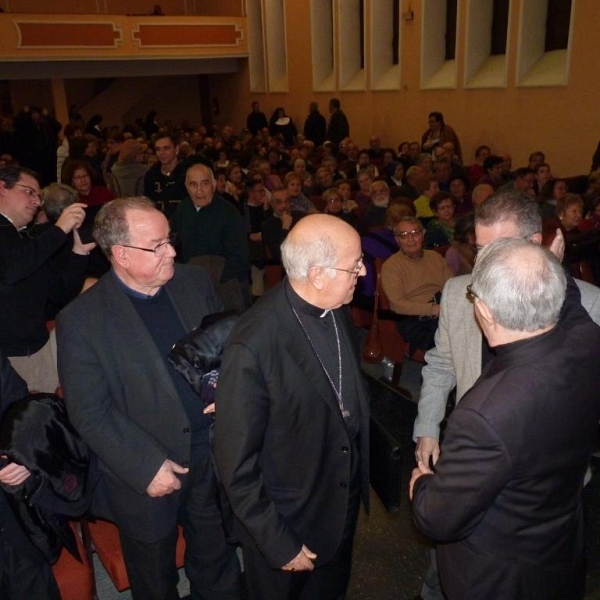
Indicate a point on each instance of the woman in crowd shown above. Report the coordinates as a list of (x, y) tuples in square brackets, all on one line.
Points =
[(363, 196), (394, 173), (333, 202), (553, 191), (440, 230), (281, 124), (293, 185)]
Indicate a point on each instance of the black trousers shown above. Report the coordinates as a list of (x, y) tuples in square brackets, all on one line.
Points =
[(211, 564), (22, 578)]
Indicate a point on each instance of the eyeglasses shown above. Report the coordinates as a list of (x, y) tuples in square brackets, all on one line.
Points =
[(471, 295), (412, 233), (356, 271), (29, 191), (159, 250)]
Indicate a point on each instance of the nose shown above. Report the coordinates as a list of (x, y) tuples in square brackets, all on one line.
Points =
[(363, 270)]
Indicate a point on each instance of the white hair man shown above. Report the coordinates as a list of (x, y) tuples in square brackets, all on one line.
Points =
[(460, 351), (504, 503), (291, 412)]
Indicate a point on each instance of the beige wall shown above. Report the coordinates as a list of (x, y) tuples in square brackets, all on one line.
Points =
[(562, 121)]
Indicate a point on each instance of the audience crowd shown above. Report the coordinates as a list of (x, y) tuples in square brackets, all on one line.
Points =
[(229, 200)]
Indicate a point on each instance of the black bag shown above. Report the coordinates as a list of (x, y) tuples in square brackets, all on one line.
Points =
[(197, 355)]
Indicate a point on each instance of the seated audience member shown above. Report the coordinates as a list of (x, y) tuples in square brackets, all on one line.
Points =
[(394, 174), (505, 502), (426, 162), (375, 149), (79, 176), (440, 230), (543, 175), (480, 194), (594, 213), (323, 180), (127, 174), (374, 216), (463, 250), (300, 202), (207, 225), (462, 198), (364, 162), (275, 229), (413, 280), (476, 171), (443, 173), (345, 189), (331, 164), (553, 191), (438, 133), (388, 156), (379, 242), (416, 180), (270, 178), (493, 172), (430, 188), (363, 196), (582, 241), (522, 181), (536, 159), (334, 205)]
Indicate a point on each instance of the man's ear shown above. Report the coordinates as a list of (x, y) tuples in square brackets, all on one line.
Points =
[(120, 256), (484, 313), (536, 238), (315, 277)]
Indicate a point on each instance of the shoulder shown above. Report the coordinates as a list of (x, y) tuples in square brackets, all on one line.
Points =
[(101, 294), (590, 299)]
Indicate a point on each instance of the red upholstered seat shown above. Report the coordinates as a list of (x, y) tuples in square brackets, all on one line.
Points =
[(105, 541), (75, 580)]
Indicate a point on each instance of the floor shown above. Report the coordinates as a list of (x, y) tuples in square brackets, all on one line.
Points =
[(390, 555)]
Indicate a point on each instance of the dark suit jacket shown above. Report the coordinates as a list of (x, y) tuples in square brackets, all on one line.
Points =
[(121, 399), (505, 501), (281, 444)]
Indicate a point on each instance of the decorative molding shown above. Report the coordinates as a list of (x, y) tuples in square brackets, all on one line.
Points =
[(38, 34), (192, 35)]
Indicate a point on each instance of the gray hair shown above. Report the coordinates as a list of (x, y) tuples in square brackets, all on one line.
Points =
[(111, 227), (56, 197), (511, 205), (522, 284), (300, 255)]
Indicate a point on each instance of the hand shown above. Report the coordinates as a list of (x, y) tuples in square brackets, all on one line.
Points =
[(557, 247), (420, 470), (79, 247), (72, 217), (166, 481), (302, 562), (256, 237), (427, 447), (210, 409), (286, 221), (435, 310), (14, 474)]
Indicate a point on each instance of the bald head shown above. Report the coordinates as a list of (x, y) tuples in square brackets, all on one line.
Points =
[(323, 259)]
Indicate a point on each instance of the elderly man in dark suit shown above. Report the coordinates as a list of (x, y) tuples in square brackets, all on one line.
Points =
[(291, 436), (505, 500), (136, 412)]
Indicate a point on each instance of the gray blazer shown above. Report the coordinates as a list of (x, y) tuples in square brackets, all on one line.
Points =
[(456, 358), (120, 396)]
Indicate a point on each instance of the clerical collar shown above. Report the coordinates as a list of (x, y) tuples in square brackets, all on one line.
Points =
[(302, 305)]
